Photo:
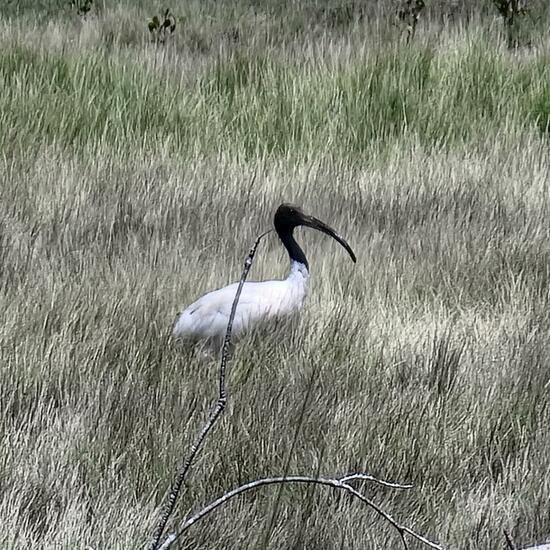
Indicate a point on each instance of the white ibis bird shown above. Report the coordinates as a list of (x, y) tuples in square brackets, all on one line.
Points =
[(207, 318)]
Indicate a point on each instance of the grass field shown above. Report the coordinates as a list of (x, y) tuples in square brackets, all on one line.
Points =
[(134, 177)]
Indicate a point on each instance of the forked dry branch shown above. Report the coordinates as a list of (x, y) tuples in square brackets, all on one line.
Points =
[(342, 483), (336, 483)]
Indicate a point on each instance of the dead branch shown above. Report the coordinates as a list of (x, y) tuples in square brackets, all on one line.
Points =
[(214, 415), (336, 483)]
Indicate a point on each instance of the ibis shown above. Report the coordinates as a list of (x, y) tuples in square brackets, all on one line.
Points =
[(207, 318)]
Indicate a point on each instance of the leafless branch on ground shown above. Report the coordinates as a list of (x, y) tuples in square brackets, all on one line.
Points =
[(336, 483)]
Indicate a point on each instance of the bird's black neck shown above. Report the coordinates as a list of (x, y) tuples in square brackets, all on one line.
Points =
[(294, 250)]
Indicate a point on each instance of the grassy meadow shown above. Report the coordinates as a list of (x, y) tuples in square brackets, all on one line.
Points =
[(134, 177)]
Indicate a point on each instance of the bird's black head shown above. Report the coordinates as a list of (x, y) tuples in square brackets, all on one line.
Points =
[(287, 217)]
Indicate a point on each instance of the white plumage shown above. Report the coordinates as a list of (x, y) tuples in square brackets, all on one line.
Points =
[(207, 318)]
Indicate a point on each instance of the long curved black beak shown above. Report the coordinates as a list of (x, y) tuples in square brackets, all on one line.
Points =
[(314, 223)]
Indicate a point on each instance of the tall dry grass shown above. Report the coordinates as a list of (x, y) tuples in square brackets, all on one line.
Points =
[(133, 178)]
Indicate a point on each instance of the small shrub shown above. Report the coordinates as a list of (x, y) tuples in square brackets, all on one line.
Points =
[(82, 7), (511, 11), (408, 15), (162, 27)]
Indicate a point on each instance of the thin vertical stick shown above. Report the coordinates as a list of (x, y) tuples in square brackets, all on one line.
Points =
[(214, 415)]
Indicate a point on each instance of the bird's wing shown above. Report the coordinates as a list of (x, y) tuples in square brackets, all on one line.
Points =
[(209, 315)]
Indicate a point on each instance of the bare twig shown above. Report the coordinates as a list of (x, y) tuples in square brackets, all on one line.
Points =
[(218, 409), (367, 477), (336, 483)]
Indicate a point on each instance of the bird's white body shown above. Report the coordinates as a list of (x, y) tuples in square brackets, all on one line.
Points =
[(207, 318)]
